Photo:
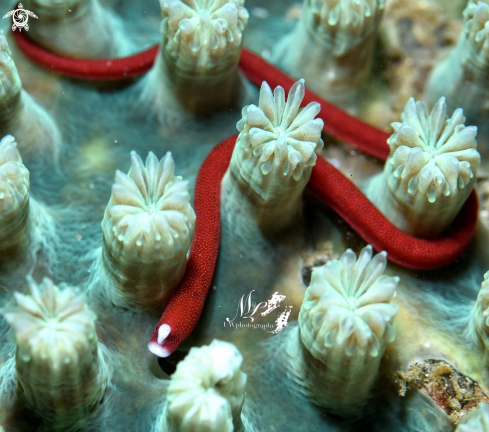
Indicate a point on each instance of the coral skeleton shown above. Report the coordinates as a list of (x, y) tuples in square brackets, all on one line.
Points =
[(195, 71), (430, 171), (332, 47), (274, 155), (476, 421), (20, 115), (207, 391), (345, 323), (462, 76), (58, 360), (78, 28), (148, 226)]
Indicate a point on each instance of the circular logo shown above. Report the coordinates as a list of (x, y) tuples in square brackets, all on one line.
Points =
[(20, 18)]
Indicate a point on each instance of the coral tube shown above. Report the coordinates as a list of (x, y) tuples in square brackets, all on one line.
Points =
[(207, 391), (14, 196), (430, 171), (344, 326), (196, 69), (78, 28), (58, 361), (332, 47), (148, 226), (478, 327), (273, 157), (462, 76), (34, 129)]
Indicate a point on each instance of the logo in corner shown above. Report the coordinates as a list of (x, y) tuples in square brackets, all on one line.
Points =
[(20, 16)]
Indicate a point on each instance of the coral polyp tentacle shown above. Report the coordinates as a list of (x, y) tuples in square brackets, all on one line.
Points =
[(148, 227), (274, 155), (206, 392), (430, 171), (58, 360), (345, 323)]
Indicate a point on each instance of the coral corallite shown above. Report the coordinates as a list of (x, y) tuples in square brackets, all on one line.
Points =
[(207, 391), (345, 322), (430, 171), (58, 362), (148, 227), (275, 152)]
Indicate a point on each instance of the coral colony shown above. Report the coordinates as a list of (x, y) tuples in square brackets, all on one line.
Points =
[(359, 290)]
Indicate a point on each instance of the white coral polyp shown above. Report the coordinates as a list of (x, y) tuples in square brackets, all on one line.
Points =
[(52, 326), (434, 155), (280, 135), (347, 305), (353, 17), (216, 25), (149, 214), (58, 364), (207, 390), (14, 177), (476, 16)]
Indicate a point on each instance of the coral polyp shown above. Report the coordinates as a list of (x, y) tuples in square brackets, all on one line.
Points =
[(59, 365), (345, 323), (332, 47), (207, 391), (431, 166), (149, 214), (14, 178), (195, 71), (148, 227), (274, 154)]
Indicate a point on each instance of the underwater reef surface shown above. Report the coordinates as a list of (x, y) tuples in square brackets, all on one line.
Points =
[(325, 355)]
